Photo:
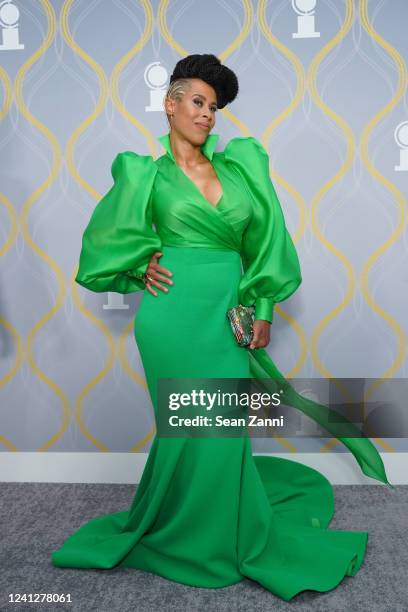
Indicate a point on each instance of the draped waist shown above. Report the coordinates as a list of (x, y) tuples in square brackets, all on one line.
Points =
[(193, 226), (205, 244), (191, 255)]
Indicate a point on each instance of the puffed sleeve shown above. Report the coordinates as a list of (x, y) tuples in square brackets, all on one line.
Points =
[(119, 239), (271, 270)]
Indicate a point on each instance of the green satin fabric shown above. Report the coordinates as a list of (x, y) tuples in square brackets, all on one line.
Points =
[(120, 239), (207, 512)]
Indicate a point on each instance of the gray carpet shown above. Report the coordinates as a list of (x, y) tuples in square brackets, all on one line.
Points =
[(37, 517)]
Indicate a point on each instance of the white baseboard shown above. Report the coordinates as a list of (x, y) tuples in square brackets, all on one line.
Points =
[(127, 468)]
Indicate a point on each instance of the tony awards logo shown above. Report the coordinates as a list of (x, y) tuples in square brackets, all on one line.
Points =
[(401, 138), (9, 16), (306, 19), (155, 77)]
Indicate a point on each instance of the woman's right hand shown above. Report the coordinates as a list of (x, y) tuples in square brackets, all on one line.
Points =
[(155, 274)]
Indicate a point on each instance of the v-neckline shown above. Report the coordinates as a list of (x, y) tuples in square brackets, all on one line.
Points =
[(215, 206), (207, 149)]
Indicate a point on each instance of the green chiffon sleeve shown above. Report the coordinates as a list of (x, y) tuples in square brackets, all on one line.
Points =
[(119, 239), (270, 262)]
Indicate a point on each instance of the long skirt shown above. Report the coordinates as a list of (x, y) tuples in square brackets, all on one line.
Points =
[(207, 512)]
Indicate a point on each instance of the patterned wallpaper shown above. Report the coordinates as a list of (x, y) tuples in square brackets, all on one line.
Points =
[(322, 85)]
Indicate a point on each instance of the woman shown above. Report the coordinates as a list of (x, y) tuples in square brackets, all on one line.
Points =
[(208, 513)]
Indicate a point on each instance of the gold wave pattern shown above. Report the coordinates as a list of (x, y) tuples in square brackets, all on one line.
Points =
[(104, 92), (300, 88), (7, 88), (351, 277), (117, 101), (399, 198), (312, 76), (103, 96), (297, 98), (51, 23), (248, 22)]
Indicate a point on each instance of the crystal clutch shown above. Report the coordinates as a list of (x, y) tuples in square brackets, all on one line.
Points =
[(241, 319)]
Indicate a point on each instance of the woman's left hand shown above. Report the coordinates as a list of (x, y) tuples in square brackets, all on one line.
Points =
[(261, 334)]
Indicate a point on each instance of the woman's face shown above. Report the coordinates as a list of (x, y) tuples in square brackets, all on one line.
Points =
[(194, 114)]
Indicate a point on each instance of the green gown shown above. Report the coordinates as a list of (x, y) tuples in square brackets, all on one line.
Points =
[(207, 513)]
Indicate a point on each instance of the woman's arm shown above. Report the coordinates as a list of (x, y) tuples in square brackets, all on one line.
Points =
[(119, 240), (270, 262)]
